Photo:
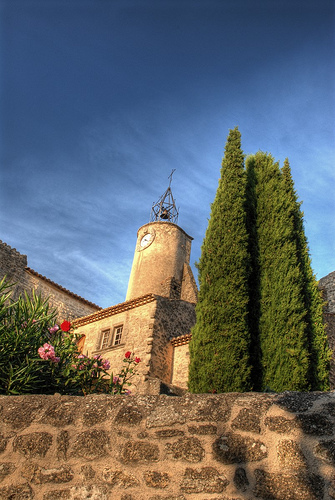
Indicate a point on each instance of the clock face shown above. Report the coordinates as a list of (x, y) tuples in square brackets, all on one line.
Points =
[(146, 240)]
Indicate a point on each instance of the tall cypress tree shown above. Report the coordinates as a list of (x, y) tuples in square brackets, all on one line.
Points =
[(319, 351), (220, 346), (282, 324)]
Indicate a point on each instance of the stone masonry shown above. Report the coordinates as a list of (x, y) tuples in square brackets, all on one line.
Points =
[(195, 447), (14, 266), (327, 285)]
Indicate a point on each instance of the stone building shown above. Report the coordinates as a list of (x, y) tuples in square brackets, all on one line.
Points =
[(155, 321), (327, 285), (14, 266)]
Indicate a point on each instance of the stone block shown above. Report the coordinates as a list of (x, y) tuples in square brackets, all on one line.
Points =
[(290, 455), (315, 424), (155, 479), (62, 445), (202, 430), (299, 486), (22, 410), (92, 492), (17, 492), (39, 475), (87, 472), (97, 409), (118, 478), (6, 468), (128, 415), (247, 420), (185, 448), (240, 479), (167, 433), (212, 409), (3, 443), (296, 401), (91, 444), (326, 451), (165, 416), (33, 445), (234, 448), (59, 414), (139, 451), (280, 424), (204, 480)]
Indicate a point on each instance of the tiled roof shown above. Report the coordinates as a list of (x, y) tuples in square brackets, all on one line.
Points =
[(59, 287), (181, 340), (110, 311)]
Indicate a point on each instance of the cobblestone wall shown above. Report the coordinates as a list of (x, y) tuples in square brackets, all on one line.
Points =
[(205, 447)]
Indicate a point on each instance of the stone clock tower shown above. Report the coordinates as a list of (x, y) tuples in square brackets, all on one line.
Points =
[(162, 256)]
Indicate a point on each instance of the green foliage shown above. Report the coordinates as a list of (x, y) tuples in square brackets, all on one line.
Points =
[(22, 324), (220, 339), (320, 353), (260, 312), (37, 356), (282, 325)]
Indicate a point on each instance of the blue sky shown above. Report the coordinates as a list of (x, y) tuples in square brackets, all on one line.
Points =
[(101, 99)]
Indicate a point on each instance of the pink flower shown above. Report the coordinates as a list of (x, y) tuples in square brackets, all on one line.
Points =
[(47, 351), (127, 355), (53, 329), (116, 380), (106, 364), (97, 356)]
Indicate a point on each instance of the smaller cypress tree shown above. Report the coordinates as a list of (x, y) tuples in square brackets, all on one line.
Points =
[(219, 350), (282, 313), (320, 353)]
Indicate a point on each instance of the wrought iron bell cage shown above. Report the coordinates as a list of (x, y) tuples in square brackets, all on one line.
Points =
[(165, 208)]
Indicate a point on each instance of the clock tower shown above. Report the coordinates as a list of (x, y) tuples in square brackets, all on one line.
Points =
[(162, 255)]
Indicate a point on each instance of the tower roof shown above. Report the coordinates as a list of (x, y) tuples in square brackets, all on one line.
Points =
[(165, 208)]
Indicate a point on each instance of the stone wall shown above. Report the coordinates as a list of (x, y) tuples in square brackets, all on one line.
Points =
[(149, 324), (327, 285), (329, 319), (14, 266), (205, 447), (137, 318), (173, 318)]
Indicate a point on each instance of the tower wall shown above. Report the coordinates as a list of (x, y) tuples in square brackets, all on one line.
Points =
[(159, 259)]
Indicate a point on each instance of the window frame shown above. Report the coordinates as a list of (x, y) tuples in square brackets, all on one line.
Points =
[(111, 337)]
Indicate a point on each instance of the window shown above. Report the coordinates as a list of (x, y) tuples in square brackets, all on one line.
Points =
[(118, 334), (108, 340), (105, 334)]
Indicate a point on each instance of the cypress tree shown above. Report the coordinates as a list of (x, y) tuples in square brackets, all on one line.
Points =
[(319, 351), (282, 324), (220, 346)]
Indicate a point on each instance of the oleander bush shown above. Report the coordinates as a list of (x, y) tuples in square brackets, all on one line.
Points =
[(37, 356)]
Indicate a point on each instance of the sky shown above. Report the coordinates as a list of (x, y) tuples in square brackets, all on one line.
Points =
[(101, 99)]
